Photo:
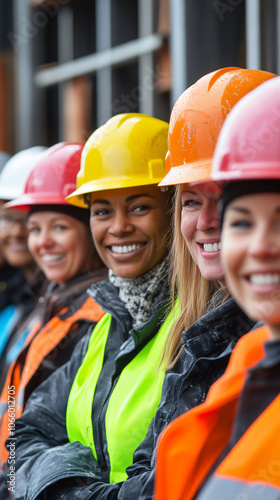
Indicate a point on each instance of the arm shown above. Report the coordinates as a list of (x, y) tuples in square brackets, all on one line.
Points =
[(138, 473), (43, 452)]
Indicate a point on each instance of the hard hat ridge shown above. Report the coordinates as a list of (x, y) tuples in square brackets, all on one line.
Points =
[(16, 171), (249, 143), (127, 151), (197, 118), (52, 178)]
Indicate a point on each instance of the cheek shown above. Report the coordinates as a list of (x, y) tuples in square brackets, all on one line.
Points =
[(31, 243), (95, 230), (230, 260), (188, 227), (156, 228), (95, 236)]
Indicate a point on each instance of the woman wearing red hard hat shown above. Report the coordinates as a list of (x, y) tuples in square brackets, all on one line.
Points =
[(228, 447), (60, 241)]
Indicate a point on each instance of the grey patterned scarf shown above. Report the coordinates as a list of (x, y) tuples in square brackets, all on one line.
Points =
[(138, 294)]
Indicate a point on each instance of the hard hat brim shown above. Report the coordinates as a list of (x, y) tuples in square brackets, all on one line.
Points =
[(76, 198), (193, 172), (248, 171), (25, 201)]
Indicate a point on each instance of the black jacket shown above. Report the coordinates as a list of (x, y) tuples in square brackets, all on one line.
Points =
[(44, 455), (11, 281), (71, 469)]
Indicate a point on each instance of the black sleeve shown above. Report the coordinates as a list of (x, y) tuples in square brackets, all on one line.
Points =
[(43, 452), (139, 474), (89, 485)]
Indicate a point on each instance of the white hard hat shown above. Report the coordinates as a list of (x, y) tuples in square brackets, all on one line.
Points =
[(4, 157), (16, 172)]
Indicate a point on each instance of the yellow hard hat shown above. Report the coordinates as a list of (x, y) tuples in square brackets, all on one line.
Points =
[(128, 151)]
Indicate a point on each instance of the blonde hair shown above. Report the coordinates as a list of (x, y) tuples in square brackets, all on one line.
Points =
[(188, 285)]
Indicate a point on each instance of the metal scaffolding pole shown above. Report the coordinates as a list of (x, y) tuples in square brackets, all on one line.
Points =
[(65, 43), (103, 75), (253, 34), (178, 41), (24, 33), (146, 77)]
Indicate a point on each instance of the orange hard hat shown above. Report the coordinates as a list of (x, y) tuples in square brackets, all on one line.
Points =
[(197, 118)]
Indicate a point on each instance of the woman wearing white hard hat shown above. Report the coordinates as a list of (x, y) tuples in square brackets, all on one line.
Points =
[(20, 293)]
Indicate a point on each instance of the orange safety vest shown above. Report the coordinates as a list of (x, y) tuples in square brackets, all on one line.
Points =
[(39, 343), (191, 445)]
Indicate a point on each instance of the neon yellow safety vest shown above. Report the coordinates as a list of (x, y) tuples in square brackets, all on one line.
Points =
[(133, 402)]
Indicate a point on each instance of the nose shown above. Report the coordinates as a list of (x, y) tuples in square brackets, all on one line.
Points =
[(263, 244), (208, 217), (120, 224), (44, 240)]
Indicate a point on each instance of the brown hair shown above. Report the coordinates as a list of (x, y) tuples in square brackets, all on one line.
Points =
[(188, 285)]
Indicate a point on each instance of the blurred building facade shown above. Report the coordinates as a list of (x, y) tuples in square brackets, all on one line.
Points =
[(66, 66)]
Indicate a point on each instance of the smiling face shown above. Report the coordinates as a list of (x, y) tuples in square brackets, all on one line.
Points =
[(129, 227), (200, 227), (13, 238), (60, 245), (251, 256)]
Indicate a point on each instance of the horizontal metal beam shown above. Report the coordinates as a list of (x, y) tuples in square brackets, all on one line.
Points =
[(116, 56)]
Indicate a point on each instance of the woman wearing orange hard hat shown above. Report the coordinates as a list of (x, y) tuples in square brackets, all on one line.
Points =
[(228, 447)]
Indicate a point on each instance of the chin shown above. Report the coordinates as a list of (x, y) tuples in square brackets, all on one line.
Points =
[(212, 275)]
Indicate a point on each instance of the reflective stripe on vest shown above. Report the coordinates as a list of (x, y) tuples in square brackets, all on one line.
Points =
[(221, 488), (132, 404)]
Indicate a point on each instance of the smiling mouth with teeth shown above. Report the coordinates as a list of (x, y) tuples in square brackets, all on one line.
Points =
[(211, 247), (265, 279), (51, 258), (126, 248)]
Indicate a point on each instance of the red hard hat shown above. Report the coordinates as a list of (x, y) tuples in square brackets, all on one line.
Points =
[(249, 144), (197, 118), (53, 177)]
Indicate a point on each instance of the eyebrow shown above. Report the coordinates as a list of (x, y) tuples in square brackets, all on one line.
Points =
[(30, 221), (129, 198), (239, 209), (188, 191), (247, 211)]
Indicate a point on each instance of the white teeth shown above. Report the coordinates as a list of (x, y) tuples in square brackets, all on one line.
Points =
[(209, 247), (50, 258), (125, 248), (265, 279)]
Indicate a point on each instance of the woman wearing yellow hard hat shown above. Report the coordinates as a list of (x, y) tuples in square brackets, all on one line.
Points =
[(88, 418)]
